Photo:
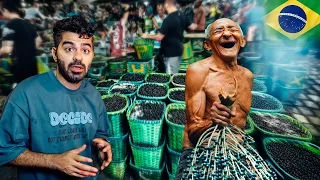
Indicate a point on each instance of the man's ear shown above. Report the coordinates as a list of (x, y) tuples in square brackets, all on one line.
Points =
[(54, 53), (242, 41), (206, 45)]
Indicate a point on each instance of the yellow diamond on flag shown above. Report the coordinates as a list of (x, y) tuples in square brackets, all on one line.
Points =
[(292, 19)]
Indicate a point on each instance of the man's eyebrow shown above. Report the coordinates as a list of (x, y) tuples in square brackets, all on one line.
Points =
[(67, 42), (231, 26), (86, 44)]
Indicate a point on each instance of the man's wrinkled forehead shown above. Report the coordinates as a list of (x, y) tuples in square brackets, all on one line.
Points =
[(221, 23)]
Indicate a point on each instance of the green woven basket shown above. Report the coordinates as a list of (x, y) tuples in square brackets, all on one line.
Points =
[(152, 97), (259, 86), (278, 105), (116, 170), (306, 145), (170, 175), (144, 48), (104, 88), (251, 129), (131, 96), (147, 157), (133, 82), (119, 147), (146, 173), (161, 74), (145, 131), (285, 117), (175, 131), (173, 160), (175, 89), (175, 84), (117, 119)]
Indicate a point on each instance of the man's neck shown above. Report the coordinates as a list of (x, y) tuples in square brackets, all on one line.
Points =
[(171, 9), (229, 65), (64, 82)]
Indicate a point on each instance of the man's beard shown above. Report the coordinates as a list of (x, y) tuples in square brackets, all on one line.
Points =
[(68, 75)]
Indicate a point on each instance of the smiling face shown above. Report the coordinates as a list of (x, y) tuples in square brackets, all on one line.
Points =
[(225, 39), (73, 56)]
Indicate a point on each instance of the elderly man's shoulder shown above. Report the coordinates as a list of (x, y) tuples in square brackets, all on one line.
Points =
[(199, 67), (246, 72)]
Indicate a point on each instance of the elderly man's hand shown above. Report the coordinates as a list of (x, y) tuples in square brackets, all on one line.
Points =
[(220, 114), (144, 36)]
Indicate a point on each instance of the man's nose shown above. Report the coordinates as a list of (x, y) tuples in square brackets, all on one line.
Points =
[(78, 56), (226, 34)]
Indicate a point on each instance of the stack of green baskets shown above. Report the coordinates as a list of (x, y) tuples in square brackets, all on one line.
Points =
[(146, 173), (144, 48), (160, 74), (145, 131), (131, 96), (147, 156), (170, 175), (119, 147), (116, 169), (264, 133), (152, 97), (175, 131), (117, 119), (174, 157), (172, 90)]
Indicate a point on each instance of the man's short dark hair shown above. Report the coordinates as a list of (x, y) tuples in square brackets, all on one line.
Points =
[(12, 6), (172, 2), (75, 24)]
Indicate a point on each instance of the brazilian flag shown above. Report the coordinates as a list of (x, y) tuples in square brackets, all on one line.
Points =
[(292, 18)]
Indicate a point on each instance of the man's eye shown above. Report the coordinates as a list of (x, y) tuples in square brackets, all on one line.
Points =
[(217, 31), (86, 51), (234, 30), (69, 49)]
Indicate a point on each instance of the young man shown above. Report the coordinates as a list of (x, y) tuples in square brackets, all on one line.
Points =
[(205, 79), (171, 36), (18, 41), (51, 120)]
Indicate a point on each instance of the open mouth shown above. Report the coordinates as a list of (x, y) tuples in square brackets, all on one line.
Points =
[(228, 45)]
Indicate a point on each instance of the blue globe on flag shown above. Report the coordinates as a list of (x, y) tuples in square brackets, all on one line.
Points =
[(292, 19)]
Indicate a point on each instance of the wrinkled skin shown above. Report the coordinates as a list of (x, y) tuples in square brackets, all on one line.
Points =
[(205, 79)]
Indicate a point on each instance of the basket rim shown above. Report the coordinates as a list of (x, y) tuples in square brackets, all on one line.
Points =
[(289, 118), (252, 129), (121, 110), (260, 82), (114, 138), (125, 83), (302, 144), (264, 110), (160, 146), (136, 82), (153, 98), (98, 82), (177, 74), (171, 151), (170, 107), (176, 89), (161, 74), (154, 121)]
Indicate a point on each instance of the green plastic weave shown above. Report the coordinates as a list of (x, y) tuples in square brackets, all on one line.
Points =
[(144, 48), (119, 147), (175, 89), (117, 119), (251, 130), (131, 97), (175, 131), (145, 131), (133, 82), (170, 175), (173, 160), (116, 170), (147, 173), (161, 74), (151, 97), (147, 157), (270, 134)]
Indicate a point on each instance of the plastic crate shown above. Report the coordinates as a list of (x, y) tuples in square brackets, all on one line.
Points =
[(147, 173), (116, 169), (119, 147)]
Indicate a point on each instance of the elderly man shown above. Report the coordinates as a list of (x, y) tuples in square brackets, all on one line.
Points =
[(207, 77)]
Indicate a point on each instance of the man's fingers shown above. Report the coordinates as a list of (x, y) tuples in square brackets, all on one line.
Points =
[(83, 159), (83, 173), (78, 175), (79, 150), (100, 143), (222, 118), (222, 123), (86, 167), (106, 148), (221, 107)]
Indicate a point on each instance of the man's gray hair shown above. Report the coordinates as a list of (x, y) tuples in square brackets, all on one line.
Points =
[(207, 32)]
